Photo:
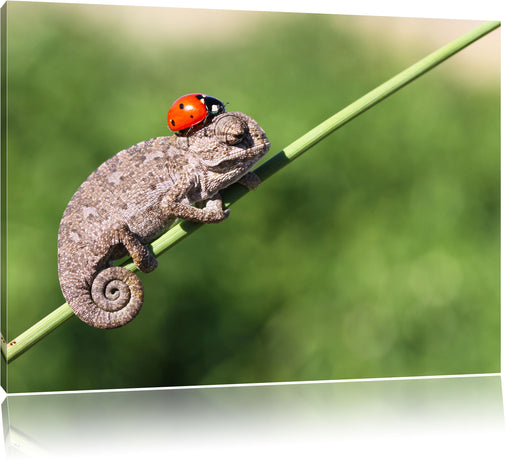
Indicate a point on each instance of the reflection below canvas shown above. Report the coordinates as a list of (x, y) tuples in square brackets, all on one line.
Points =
[(461, 416)]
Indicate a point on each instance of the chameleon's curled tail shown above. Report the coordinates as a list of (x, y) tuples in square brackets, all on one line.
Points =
[(116, 297)]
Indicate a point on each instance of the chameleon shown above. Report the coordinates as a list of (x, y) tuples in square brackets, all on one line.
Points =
[(137, 195)]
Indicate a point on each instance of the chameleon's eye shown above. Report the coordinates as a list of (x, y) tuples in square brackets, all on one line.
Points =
[(190, 110), (230, 129)]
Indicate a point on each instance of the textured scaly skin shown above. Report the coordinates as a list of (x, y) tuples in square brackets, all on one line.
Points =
[(134, 197)]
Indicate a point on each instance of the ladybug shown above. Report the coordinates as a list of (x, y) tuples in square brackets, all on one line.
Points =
[(190, 110)]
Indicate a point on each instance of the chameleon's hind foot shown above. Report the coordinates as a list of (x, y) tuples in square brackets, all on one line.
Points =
[(144, 260)]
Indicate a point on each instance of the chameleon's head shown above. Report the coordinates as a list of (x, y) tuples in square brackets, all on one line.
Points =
[(232, 143)]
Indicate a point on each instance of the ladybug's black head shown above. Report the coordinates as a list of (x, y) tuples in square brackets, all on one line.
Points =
[(214, 106)]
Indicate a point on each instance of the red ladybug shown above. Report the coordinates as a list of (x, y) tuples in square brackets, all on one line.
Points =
[(190, 110)]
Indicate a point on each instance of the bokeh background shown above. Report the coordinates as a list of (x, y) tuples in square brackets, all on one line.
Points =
[(375, 254)]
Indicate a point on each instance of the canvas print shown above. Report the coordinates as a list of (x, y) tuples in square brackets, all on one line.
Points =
[(176, 212)]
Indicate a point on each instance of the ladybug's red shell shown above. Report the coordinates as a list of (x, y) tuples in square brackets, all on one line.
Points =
[(189, 110)]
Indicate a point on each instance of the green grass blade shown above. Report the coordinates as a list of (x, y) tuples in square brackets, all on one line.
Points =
[(38, 331)]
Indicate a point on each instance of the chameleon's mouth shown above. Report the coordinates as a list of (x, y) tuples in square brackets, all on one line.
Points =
[(241, 155)]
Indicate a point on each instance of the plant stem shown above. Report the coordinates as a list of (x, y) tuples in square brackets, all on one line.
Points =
[(38, 331), (230, 195)]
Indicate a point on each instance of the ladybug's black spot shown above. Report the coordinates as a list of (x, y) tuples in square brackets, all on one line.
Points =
[(172, 123), (181, 106), (191, 116), (199, 97)]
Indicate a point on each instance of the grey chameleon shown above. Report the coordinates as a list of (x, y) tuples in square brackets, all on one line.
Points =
[(134, 197)]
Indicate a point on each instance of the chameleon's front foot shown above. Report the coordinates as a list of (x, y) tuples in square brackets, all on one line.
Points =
[(213, 211)]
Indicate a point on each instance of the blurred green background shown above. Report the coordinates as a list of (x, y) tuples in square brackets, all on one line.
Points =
[(375, 254)]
